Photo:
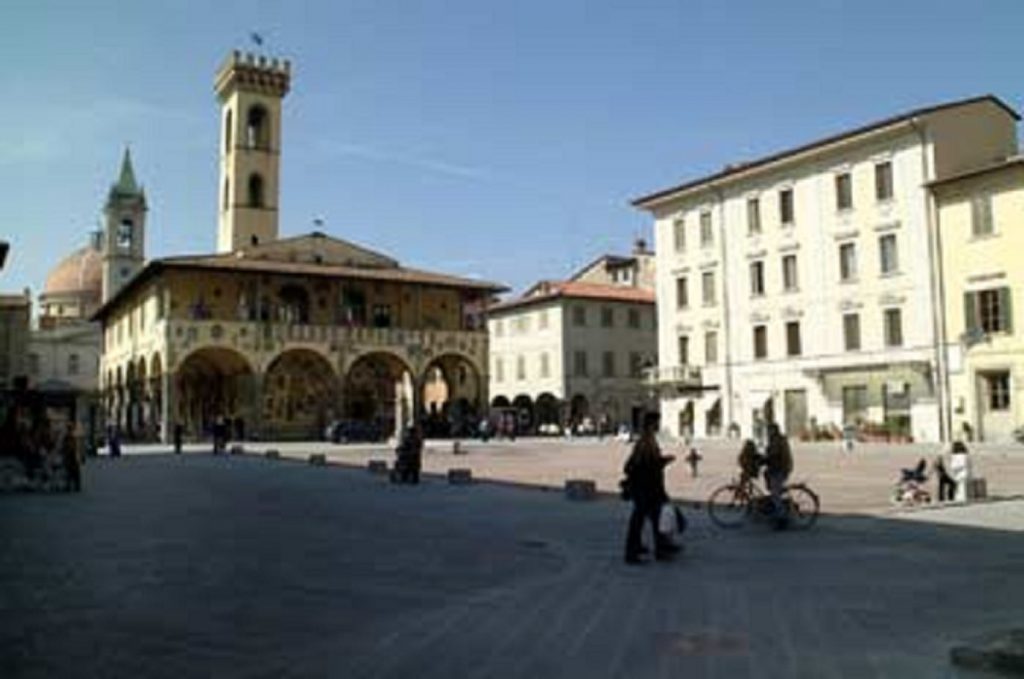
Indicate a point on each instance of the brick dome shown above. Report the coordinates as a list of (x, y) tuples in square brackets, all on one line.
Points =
[(81, 272)]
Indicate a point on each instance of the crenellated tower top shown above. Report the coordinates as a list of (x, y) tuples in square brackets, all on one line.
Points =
[(253, 73)]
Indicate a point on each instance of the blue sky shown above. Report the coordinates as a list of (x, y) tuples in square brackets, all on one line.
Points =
[(501, 140)]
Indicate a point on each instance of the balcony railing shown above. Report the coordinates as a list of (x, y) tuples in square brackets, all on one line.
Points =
[(685, 376), (254, 335)]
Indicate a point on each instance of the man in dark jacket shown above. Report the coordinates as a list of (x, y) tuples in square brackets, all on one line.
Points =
[(645, 480), (777, 468)]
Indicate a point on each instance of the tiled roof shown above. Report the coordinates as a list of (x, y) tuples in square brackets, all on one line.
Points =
[(550, 290)]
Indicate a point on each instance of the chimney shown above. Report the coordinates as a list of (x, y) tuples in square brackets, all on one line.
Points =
[(639, 246)]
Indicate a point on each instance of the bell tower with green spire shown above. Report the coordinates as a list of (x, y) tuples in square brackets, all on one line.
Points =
[(124, 232)]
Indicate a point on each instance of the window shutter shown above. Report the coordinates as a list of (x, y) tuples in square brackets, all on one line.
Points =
[(970, 314), (1006, 322)]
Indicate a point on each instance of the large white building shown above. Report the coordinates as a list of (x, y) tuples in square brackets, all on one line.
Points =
[(802, 288), (572, 352)]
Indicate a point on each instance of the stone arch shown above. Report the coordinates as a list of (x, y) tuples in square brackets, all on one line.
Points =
[(255, 193), (299, 394), (451, 391), (378, 393), (523, 405), (547, 409), (257, 127), (211, 383), (579, 409)]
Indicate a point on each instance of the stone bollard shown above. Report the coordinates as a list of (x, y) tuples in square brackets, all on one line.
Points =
[(272, 454), (457, 448), (460, 477), (237, 449), (580, 489), (318, 459), (377, 466)]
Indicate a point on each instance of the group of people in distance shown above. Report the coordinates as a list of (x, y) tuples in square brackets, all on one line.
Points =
[(644, 485)]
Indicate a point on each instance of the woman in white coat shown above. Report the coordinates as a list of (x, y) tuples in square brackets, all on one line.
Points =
[(960, 468)]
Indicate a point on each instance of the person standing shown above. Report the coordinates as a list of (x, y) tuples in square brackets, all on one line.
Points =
[(645, 481), (778, 465), (947, 486), (960, 468), (178, 435), (71, 459)]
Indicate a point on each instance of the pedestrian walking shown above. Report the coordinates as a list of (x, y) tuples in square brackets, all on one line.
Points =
[(644, 485), (179, 433), (409, 456), (693, 459)]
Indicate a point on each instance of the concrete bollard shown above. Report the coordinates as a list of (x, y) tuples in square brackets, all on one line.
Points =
[(237, 449), (460, 477), (318, 459), (272, 454), (377, 466), (580, 489)]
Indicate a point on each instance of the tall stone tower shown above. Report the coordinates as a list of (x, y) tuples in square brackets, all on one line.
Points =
[(250, 89), (124, 233)]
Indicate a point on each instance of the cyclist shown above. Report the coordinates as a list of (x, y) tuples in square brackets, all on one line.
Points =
[(778, 465)]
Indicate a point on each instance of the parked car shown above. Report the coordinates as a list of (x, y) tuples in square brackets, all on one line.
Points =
[(352, 431)]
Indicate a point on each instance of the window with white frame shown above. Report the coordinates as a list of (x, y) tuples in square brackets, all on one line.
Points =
[(851, 332), (707, 281), (757, 279), (682, 293), (684, 350), (883, 181), (707, 236), (760, 341), (753, 215), (981, 216), (893, 321), (711, 347), (786, 216), (790, 280), (889, 260), (844, 192), (848, 262), (679, 234)]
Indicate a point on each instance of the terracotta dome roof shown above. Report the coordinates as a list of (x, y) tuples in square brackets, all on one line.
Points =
[(81, 271)]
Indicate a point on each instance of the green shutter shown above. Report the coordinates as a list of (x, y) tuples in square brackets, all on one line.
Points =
[(970, 315), (1005, 306)]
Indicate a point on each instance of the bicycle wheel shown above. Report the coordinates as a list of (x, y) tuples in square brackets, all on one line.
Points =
[(803, 506), (728, 506)]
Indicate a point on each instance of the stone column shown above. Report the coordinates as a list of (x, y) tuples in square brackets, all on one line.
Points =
[(250, 396), (168, 407)]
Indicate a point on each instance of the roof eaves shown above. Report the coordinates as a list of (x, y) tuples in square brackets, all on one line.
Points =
[(733, 170)]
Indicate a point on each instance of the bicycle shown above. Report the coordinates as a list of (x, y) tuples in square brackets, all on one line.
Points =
[(732, 505)]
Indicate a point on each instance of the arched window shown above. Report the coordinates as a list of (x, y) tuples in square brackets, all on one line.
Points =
[(125, 232), (227, 132), (227, 193), (255, 190), (257, 127)]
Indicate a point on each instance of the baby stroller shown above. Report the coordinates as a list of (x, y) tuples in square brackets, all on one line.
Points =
[(909, 490)]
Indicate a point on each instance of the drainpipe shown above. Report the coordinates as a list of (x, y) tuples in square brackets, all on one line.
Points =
[(937, 289), (727, 410)]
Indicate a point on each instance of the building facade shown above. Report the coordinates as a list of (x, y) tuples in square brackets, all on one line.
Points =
[(283, 336), (802, 287), (15, 312), (981, 239), (572, 352)]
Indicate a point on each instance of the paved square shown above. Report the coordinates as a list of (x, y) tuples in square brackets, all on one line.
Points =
[(245, 567)]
